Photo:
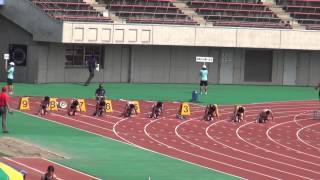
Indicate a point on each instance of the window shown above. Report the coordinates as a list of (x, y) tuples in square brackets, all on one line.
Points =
[(76, 55)]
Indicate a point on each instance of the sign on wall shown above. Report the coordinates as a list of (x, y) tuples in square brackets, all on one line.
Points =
[(204, 59), (6, 56), (18, 54)]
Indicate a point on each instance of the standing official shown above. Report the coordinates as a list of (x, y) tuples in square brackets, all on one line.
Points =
[(203, 79), (4, 107), (10, 77), (92, 62)]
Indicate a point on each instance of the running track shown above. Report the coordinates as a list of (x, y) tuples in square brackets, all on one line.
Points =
[(36, 167), (288, 148)]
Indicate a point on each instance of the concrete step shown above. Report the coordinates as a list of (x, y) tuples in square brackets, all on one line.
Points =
[(181, 4), (103, 10), (283, 15)]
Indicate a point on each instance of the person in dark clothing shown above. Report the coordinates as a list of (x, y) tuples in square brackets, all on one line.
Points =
[(100, 92), (156, 110), (91, 66), (43, 110), (73, 107), (211, 112), (49, 175), (264, 116), (100, 107)]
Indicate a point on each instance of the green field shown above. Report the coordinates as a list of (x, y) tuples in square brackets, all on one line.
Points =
[(220, 94), (109, 159)]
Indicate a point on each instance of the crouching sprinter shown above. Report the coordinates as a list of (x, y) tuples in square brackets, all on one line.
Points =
[(129, 110), (100, 107), (73, 107), (238, 113), (264, 116), (156, 110), (211, 112), (44, 105)]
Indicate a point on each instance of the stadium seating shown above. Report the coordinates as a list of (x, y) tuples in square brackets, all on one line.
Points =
[(237, 13), (70, 10), (148, 11), (307, 12)]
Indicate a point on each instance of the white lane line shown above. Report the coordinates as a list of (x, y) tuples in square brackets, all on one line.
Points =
[(300, 139), (232, 157), (140, 147), (269, 137), (255, 155), (283, 155), (63, 124), (29, 167), (195, 155), (89, 124), (71, 169)]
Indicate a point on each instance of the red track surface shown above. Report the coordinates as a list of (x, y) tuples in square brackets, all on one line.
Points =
[(287, 148), (35, 167)]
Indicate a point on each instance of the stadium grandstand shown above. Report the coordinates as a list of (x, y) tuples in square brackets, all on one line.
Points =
[(160, 89), (137, 40)]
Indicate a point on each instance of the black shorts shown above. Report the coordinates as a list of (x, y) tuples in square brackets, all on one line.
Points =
[(203, 83), (9, 81), (3, 110)]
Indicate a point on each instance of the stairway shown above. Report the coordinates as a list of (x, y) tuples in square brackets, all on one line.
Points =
[(284, 16), (103, 10), (181, 4)]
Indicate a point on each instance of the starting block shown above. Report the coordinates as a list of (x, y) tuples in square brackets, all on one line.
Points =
[(53, 105), (316, 115), (82, 106), (136, 104), (185, 109), (24, 103), (109, 106)]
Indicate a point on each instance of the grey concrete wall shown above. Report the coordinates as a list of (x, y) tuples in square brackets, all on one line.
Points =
[(314, 68), (308, 68), (10, 33), (303, 67), (32, 19), (289, 67), (277, 69), (238, 67), (165, 64), (193, 36), (116, 63), (237, 59), (52, 65), (226, 66)]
